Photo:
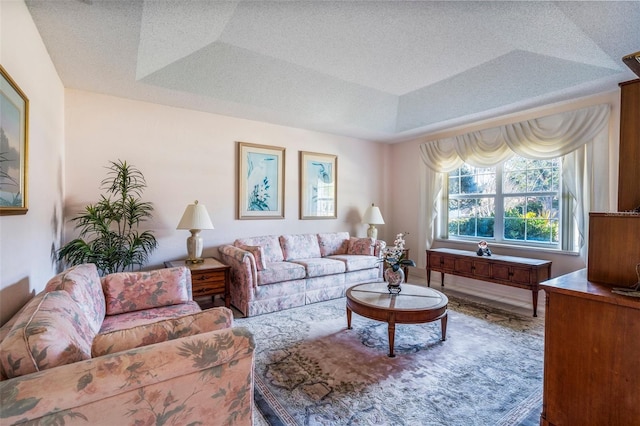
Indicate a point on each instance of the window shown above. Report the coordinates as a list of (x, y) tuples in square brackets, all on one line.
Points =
[(516, 202)]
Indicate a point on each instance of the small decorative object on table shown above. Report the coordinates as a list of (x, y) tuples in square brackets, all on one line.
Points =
[(483, 249), (633, 291), (394, 259)]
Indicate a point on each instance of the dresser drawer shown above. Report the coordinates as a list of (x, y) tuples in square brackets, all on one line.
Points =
[(205, 289), (207, 283)]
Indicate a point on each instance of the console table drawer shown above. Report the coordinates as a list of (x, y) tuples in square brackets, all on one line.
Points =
[(446, 263)]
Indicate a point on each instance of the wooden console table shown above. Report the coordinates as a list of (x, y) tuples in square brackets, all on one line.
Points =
[(512, 271)]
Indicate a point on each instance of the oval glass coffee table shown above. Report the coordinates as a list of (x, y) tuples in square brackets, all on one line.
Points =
[(413, 305)]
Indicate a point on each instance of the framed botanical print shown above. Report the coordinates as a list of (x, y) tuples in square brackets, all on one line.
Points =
[(14, 138), (260, 181), (318, 185)]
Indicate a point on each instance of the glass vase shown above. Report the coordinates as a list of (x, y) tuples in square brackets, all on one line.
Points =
[(394, 279)]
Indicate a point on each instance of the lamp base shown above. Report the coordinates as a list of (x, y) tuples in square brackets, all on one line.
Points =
[(194, 261), (372, 232), (194, 247)]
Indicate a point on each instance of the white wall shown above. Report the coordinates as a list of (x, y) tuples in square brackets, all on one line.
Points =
[(404, 172), (187, 155), (26, 241)]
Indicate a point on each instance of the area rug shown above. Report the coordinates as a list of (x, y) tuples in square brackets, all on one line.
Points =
[(311, 370)]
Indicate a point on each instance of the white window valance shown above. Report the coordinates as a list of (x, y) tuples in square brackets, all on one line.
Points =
[(580, 137), (541, 138)]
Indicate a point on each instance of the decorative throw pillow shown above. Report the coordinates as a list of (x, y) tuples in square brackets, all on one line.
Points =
[(269, 243), (134, 291), (258, 255), (362, 246), (162, 331)]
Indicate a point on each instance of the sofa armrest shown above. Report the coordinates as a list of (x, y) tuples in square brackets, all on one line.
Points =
[(378, 251), (196, 378), (244, 275)]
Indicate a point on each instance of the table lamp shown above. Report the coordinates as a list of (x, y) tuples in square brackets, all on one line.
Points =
[(373, 217), (195, 219)]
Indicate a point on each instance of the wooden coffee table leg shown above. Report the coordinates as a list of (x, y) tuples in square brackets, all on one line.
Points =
[(443, 325), (392, 337), (348, 318)]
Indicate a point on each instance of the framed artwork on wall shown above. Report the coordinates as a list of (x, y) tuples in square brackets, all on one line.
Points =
[(260, 181), (318, 185), (14, 139)]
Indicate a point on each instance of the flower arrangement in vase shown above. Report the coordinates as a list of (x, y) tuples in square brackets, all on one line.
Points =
[(395, 259)]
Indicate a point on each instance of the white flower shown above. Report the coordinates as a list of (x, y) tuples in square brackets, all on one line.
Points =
[(394, 255)]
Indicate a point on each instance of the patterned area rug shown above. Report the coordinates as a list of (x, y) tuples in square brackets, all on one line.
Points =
[(311, 370)]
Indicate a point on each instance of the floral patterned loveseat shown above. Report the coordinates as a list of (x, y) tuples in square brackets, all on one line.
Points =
[(271, 273), (128, 349)]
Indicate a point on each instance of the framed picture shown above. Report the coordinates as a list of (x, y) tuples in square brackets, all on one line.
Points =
[(14, 138), (260, 181), (318, 185)]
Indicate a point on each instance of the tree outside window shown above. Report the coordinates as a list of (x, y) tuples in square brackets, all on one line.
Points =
[(524, 194)]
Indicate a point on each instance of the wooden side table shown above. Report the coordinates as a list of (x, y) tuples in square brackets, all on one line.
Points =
[(406, 268), (208, 278)]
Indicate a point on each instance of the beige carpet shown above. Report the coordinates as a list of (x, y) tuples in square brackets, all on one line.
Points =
[(311, 370)]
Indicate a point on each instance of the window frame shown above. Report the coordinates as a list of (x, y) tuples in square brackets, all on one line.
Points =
[(567, 225)]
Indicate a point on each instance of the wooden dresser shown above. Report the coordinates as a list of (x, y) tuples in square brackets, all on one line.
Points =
[(629, 157), (591, 355), (512, 271), (614, 248)]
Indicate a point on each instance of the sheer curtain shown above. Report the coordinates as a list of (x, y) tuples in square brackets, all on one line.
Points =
[(580, 137)]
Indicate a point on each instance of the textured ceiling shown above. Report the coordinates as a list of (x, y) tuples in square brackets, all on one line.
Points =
[(383, 70)]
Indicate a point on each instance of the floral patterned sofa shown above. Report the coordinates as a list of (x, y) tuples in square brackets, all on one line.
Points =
[(271, 273), (128, 348)]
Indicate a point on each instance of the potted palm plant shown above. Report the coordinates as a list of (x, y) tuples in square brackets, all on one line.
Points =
[(108, 230)]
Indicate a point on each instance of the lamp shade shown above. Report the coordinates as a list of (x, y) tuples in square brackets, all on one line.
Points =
[(195, 217), (373, 216)]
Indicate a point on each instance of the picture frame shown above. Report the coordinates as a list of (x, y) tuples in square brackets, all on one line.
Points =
[(14, 142), (318, 185), (260, 181)]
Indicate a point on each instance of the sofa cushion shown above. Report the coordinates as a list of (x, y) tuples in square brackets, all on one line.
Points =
[(321, 266), (332, 243), (357, 262), (281, 271), (270, 245), (134, 291), (82, 282), (300, 246), (147, 316), (52, 330), (361, 246), (258, 255), (161, 331)]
